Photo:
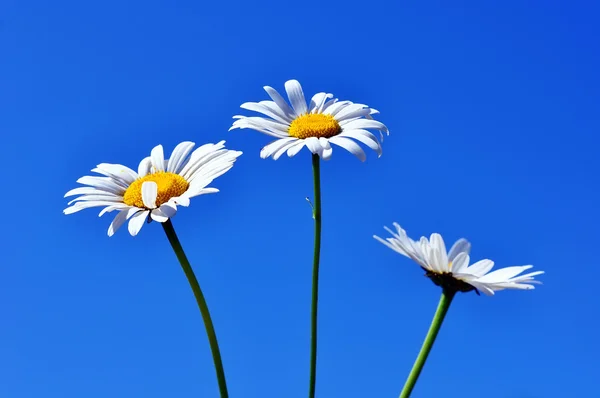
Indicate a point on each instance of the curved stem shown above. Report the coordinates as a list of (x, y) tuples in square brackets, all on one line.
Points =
[(436, 324), (210, 330), (315, 278)]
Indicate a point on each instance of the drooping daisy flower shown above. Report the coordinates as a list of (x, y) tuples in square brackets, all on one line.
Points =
[(324, 121), (452, 270), (158, 187)]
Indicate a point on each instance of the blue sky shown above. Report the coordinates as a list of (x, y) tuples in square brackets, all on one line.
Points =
[(493, 113)]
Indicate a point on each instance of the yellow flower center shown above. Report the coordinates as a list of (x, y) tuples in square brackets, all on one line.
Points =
[(314, 125), (170, 185)]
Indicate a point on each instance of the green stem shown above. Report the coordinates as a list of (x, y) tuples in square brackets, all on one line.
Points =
[(315, 278), (210, 330), (436, 324)]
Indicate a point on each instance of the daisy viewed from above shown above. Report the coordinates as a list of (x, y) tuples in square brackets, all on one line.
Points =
[(324, 121), (452, 270), (157, 188)]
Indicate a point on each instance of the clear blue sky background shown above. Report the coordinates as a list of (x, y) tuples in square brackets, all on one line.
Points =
[(494, 118)]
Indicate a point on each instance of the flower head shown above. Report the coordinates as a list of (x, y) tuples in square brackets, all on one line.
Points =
[(324, 121), (158, 187), (451, 269)]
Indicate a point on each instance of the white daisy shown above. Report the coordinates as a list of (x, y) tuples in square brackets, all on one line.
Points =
[(323, 122), (452, 270), (158, 186)]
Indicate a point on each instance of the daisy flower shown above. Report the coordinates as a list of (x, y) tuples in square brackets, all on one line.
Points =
[(324, 121), (157, 188), (452, 270)]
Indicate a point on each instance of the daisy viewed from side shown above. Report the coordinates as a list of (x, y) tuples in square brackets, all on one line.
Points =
[(158, 186), (451, 269), (324, 121)]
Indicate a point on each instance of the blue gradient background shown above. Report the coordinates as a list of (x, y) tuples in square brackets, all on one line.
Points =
[(494, 117)]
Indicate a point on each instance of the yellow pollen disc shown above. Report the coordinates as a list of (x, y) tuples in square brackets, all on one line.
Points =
[(170, 185), (314, 125)]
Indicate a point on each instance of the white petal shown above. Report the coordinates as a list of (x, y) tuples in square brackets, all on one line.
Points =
[(441, 256), (86, 205), (352, 111), (365, 137), (431, 255), (253, 106), (511, 285), (103, 183), (117, 171), (460, 262), (164, 212), (392, 244), (364, 124), (274, 146), (483, 288), (528, 277), (350, 146), (213, 166), (317, 102), (297, 147), (108, 197), (273, 107), (116, 206), (137, 222), (201, 155), (313, 145), (149, 193), (179, 156), (504, 274), (263, 125), (480, 268), (157, 158), (327, 149), (209, 163), (324, 142), (296, 96), (182, 201), (278, 99), (335, 107), (202, 191), (283, 149), (119, 182), (461, 245), (401, 243), (84, 191), (326, 105), (119, 220), (206, 175), (144, 167)]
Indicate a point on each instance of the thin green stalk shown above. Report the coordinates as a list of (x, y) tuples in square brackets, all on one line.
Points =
[(436, 324), (315, 278), (210, 330)]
